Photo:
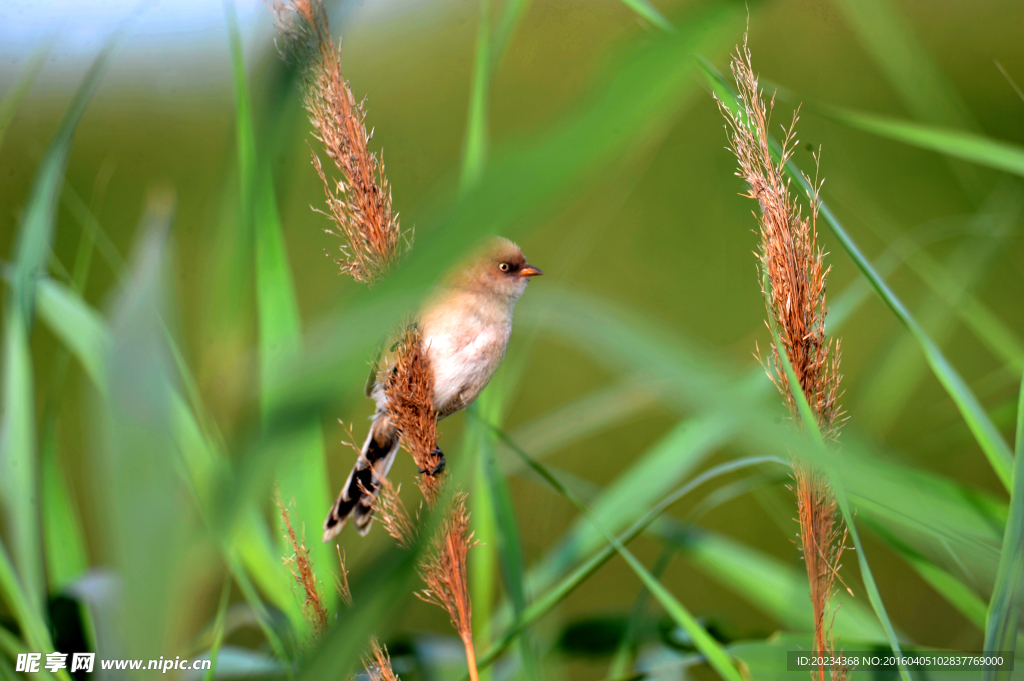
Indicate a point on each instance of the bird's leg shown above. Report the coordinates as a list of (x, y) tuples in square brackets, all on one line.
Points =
[(436, 453)]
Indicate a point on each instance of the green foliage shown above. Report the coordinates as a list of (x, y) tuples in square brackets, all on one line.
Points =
[(1008, 594), (184, 470)]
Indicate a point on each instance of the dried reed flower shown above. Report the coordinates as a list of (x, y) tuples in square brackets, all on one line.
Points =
[(409, 389), (358, 204), (823, 542), (388, 507), (789, 256), (444, 573), (378, 663), (301, 567), (341, 582), (793, 280)]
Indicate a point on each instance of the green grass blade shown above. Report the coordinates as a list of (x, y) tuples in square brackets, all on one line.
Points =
[(135, 463), (915, 77), (218, 630), (38, 222), (30, 619), (63, 536), (776, 588), (245, 136), (493, 491), (13, 646), (712, 650), (19, 481), (620, 340), (985, 433), (959, 144), (900, 370), (474, 146), (483, 562), (913, 74), (84, 333), (78, 326), (489, 51), (304, 480), (86, 218), (507, 25), (956, 593), (1003, 209), (543, 604), (659, 470), (1008, 594), (649, 13)]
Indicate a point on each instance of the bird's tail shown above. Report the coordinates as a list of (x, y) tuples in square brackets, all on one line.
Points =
[(360, 490)]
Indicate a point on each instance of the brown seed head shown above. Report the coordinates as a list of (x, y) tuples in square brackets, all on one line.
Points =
[(409, 389), (389, 509), (378, 663), (792, 282), (444, 569), (359, 203), (793, 276), (301, 568)]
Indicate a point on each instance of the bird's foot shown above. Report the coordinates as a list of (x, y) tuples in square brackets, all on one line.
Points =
[(436, 452)]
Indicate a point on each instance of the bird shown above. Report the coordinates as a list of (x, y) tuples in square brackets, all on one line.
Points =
[(465, 328)]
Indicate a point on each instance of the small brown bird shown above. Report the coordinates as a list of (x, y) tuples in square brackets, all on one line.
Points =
[(465, 327)]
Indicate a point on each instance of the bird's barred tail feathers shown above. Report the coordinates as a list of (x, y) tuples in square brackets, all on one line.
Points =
[(360, 490)]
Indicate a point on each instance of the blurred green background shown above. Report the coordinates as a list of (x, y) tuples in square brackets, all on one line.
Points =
[(654, 225)]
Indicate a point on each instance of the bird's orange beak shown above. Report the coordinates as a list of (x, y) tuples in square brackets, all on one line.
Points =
[(529, 271)]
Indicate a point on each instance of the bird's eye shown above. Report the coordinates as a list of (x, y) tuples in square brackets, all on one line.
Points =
[(504, 267)]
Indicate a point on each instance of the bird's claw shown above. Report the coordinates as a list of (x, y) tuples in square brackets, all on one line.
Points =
[(435, 452)]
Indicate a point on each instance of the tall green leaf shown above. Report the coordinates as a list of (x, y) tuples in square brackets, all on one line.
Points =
[(898, 373), (998, 219), (135, 463), (19, 481), (912, 73), (967, 146), (544, 602), (663, 467), (778, 589), (493, 491), (63, 535), (304, 480), (716, 656), (86, 336), (1004, 608), (489, 51), (474, 145)]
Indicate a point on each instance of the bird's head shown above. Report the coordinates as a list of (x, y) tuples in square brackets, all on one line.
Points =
[(499, 268)]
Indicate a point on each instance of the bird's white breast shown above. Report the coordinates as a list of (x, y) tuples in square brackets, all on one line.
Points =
[(465, 342)]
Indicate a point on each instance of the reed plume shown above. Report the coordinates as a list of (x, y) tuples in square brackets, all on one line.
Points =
[(444, 573), (409, 389), (359, 203), (341, 581), (377, 663), (301, 568), (793, 280), (389, 509)]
